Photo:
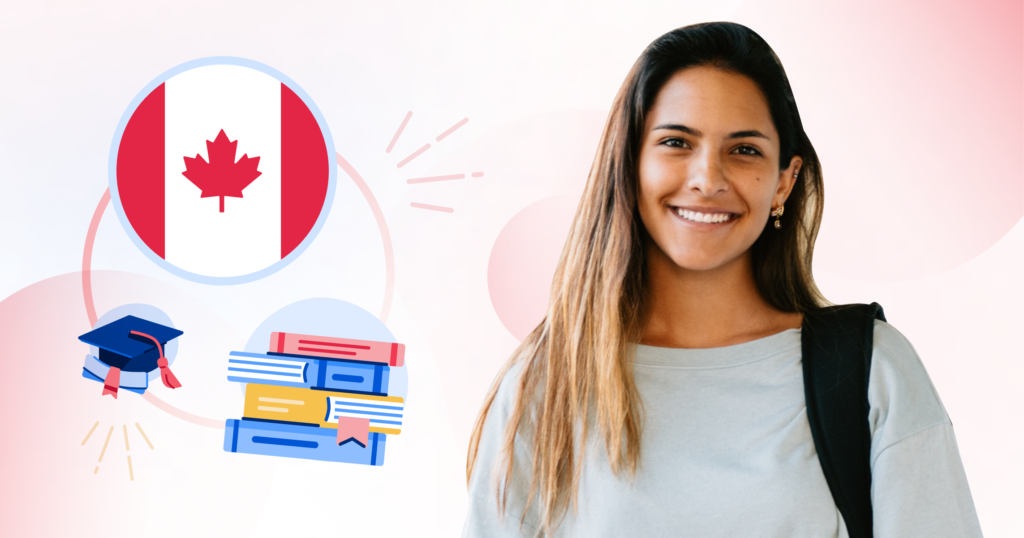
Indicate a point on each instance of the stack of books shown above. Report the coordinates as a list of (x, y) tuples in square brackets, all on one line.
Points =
[(317, 398)]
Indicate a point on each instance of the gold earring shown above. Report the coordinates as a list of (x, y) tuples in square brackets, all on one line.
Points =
[(778, 213)]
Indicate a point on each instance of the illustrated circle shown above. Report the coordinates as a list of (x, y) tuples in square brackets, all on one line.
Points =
[(523, 262), (222, 170)]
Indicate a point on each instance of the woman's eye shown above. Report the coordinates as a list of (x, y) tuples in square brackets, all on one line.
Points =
[(747, 150), (676, 143)]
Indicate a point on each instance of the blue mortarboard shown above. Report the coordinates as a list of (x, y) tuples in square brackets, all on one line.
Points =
[(132, 344)]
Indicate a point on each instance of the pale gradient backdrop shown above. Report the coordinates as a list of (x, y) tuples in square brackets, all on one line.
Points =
[(916, 110)]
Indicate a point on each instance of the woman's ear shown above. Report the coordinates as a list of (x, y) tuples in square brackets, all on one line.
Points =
[(787, 179)]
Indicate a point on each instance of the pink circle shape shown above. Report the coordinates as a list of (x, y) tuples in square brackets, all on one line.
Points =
[(523, 261)]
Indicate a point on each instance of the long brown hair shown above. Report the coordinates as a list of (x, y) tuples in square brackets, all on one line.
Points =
[(576, 365)]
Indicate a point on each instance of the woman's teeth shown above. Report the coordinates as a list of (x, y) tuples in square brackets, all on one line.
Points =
[(697, 216)]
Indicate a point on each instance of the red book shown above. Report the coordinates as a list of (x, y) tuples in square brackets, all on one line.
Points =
[(392, 354)]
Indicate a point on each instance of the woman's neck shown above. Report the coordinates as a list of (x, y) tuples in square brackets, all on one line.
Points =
[(702, 309)]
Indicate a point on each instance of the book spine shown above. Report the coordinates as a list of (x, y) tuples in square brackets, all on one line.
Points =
[(321, 408), (299, 441), (390, 353), (366, 378)]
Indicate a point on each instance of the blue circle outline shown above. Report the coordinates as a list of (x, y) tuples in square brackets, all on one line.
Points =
[(331, 180)]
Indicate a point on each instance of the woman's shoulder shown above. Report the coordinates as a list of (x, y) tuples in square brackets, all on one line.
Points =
[(502, 407), (902, 397), (483, 518), (508, 385)]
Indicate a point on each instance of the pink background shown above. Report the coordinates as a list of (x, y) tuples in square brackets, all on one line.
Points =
[(915, 108)]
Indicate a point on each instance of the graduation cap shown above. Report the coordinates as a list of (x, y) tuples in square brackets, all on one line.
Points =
[(132, 344)]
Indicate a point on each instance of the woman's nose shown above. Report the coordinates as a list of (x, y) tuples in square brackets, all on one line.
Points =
[(706, 175)]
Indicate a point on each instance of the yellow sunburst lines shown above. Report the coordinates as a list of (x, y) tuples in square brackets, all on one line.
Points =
[(131, 474), (144, 436), (104, 450), (88, 435), (127, 445), (105, 443)]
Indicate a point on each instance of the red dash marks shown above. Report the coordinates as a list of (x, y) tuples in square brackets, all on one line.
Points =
[(398, 133), (452, 129), (305, 170), (413, 156), (442, 209), (478, 174), (140, 171)]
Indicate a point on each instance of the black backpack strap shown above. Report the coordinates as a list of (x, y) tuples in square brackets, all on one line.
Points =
[(836, 345)]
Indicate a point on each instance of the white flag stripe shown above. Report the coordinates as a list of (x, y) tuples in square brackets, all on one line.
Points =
[(246, 104)]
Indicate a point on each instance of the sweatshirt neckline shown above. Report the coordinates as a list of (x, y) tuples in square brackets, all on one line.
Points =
[(715, 357)]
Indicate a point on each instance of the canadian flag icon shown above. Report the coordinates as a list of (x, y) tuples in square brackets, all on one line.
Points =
[(222, 170)]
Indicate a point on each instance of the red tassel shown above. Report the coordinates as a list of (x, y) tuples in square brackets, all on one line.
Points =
[(166, 376), (111, 382)]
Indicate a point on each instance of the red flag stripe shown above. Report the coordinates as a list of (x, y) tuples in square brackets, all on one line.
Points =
[(140, 170), (304, 170)]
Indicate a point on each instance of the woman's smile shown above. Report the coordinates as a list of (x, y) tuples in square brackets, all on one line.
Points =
[(704, 218)]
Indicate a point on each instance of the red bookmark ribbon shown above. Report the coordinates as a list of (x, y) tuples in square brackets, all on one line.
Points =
[(111, 382), (353, 429)]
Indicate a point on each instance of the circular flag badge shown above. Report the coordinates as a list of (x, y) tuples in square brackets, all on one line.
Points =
[(222, 170)]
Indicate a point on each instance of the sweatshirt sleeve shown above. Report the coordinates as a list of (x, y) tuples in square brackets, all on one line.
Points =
[(918, 484), (482, 519)]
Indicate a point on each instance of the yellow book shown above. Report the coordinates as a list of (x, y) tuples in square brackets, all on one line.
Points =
[(321, 407)]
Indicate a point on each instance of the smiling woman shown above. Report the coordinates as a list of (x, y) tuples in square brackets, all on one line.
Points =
[(671, 388)]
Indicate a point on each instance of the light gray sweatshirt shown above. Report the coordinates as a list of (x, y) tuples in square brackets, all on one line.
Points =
[(726, 450)]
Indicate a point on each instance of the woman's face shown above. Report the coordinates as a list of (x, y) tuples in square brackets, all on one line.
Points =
[(710, 151)]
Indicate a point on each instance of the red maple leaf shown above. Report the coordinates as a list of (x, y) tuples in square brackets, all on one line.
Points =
[(222, 176)]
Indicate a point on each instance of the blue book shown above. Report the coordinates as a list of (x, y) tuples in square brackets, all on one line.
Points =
[(269, 438), (309, 372)]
